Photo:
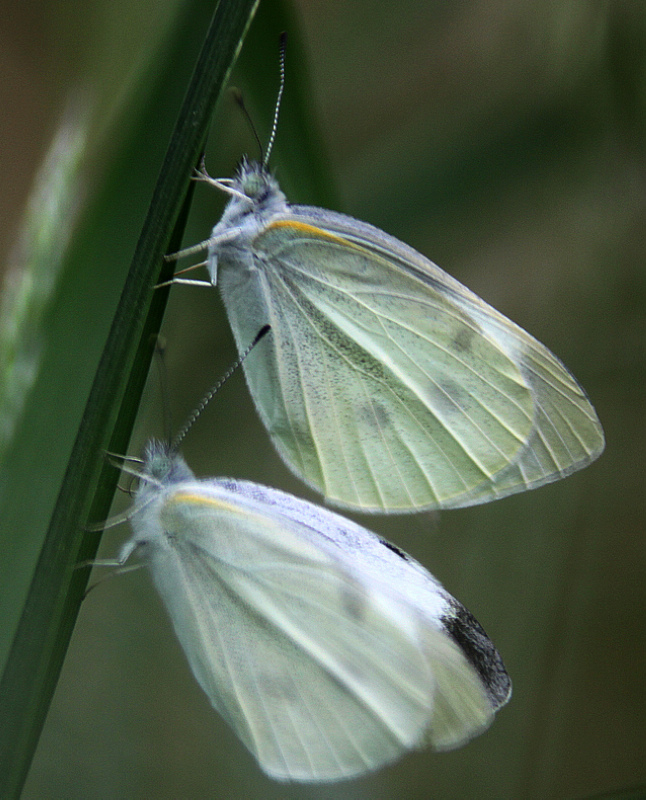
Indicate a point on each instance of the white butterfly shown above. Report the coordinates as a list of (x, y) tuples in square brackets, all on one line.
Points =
[(329, 651), (386, 384)]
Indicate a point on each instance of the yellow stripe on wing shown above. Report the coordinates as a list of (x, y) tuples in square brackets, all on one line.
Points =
[(309, 230)]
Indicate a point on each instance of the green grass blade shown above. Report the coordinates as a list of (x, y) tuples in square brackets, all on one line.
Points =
[(53, 600)]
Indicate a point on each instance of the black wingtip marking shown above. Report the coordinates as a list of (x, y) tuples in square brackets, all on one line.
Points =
[(479, 651)]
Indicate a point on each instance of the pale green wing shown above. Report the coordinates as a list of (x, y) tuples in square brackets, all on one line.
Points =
[(390, 386), (566, 433), (328, 652), (319, 676)]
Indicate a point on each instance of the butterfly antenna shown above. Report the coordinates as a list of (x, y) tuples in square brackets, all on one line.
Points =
[(209, 395), (237, 96), (272, 138)]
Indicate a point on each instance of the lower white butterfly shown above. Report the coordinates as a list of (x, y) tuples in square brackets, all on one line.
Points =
[(329, 651)]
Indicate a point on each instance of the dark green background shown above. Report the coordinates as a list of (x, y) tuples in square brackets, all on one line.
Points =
[(506, 142)]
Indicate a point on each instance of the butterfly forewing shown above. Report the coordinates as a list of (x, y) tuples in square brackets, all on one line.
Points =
[(320, 677)]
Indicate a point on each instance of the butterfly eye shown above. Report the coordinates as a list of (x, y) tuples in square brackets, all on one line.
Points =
[(254, 185)]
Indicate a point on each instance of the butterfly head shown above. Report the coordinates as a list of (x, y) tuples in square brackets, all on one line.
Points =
[(255, 199), (162, 466), (254, 180)]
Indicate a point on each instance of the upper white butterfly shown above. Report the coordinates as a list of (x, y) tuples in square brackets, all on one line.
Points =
[(386, 384)]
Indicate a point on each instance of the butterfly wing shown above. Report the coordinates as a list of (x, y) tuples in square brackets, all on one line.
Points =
[(389, 385), (323, 670), (471, 682)]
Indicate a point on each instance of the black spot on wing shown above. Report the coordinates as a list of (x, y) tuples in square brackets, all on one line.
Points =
[(395, 549), (479, 651), (462, 341), (373, 413)]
